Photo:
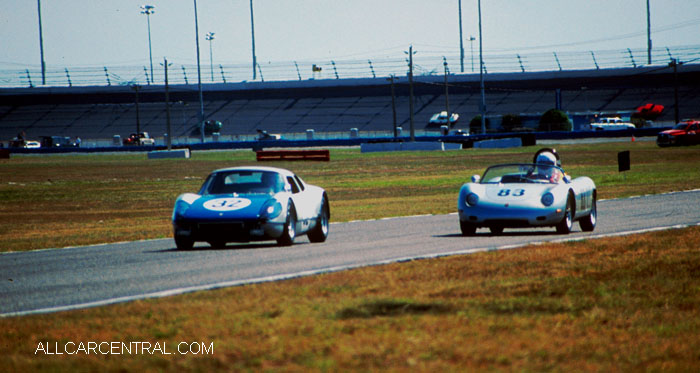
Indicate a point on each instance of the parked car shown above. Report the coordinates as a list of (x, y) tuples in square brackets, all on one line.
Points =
[(609, 124), (519, 195), (140, 139), (684, 133), (440, 119), (31, 144), (57, 142), (243, 204)]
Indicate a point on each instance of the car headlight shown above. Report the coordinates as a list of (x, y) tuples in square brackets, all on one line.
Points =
[(271, 209), (180, 209), (472, 199), (547, 199)]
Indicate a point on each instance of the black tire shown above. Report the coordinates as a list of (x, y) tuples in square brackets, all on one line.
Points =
[(468, 229), (183, 243), (496, 229), (587, 223), (320, 231), (564, 227), (290, 228)]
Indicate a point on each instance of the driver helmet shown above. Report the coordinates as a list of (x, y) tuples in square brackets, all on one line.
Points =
[(545, 164), (552, 157)]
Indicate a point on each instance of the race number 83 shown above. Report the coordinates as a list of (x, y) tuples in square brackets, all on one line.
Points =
[(507, 192)]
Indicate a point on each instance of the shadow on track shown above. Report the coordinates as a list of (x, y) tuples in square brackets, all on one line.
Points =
[(230, 246)]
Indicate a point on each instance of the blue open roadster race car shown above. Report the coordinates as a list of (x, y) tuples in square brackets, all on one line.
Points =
[(245, 204), (526, 195)]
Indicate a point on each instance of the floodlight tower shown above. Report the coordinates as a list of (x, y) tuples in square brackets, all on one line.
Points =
[(148, 10), (210, 38)]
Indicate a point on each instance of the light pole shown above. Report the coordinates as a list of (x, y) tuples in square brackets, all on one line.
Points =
[(481, 76), (471, 45), (41, 45), (252, 35), (199, 73), (461, 43), (210, 37), (148, 10), (648, 34)]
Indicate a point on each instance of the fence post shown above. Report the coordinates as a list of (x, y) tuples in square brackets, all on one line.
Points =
[(70, 84), (107, 76)]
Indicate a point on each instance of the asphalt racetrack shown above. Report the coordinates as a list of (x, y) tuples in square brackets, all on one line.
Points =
[(62, 279)]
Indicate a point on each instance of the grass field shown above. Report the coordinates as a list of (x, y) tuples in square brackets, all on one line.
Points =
[(620, 304), (67, 200)]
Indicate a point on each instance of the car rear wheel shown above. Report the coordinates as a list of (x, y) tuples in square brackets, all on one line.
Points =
[(289, 232), (183, 243), (468, 229), (320, 231), (564, 227), (587, 223)]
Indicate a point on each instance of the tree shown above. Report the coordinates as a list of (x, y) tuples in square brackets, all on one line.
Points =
[(510, 122), (475, 124), (554, 120)]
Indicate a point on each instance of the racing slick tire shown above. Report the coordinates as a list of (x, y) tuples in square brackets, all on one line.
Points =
[(468, 229), (587, 223), (290, 228), (183, 243), (564, 227), (320, 231)]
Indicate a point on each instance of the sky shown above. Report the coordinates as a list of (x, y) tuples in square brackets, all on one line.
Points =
[(79, 33)]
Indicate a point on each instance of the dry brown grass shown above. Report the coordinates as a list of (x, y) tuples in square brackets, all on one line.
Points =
[(621, 304)]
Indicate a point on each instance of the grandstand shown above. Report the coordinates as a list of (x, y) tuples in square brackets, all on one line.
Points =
[(336, 106)]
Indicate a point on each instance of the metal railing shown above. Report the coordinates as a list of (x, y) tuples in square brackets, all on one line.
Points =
[(428, 63)]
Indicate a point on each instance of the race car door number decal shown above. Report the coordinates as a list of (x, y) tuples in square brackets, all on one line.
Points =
[(506, 192), (227, 204)]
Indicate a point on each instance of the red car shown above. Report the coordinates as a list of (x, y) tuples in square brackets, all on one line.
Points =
[(684, 133)]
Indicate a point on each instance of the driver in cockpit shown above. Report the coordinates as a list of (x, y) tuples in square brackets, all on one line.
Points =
[(547, 163)]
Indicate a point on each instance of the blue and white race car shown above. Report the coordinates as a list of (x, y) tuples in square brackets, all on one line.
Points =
[(244, 204), (537, 194)]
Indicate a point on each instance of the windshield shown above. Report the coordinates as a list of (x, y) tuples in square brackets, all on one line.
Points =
[(522, 173), (243, 182), (681, 126)]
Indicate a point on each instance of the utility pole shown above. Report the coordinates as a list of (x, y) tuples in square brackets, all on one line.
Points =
[(136, 88), (199, 73), (393, 105), (674, 64), (648, 34), (167, 106), (410, 92), (447, 95), (461, 42), (481, 76)]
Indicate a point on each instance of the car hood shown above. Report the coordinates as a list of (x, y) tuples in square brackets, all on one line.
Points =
[(516, 191), (226, 206), (673, 132)]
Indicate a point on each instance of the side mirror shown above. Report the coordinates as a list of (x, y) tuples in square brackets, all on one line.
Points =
[(476, 178)]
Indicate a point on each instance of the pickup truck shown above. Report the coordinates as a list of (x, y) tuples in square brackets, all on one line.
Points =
[(140, 139), (609, 124)]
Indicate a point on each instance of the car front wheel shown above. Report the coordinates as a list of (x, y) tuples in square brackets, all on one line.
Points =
[(183, 243), (468, 229), (564, 227), (289, 232)]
